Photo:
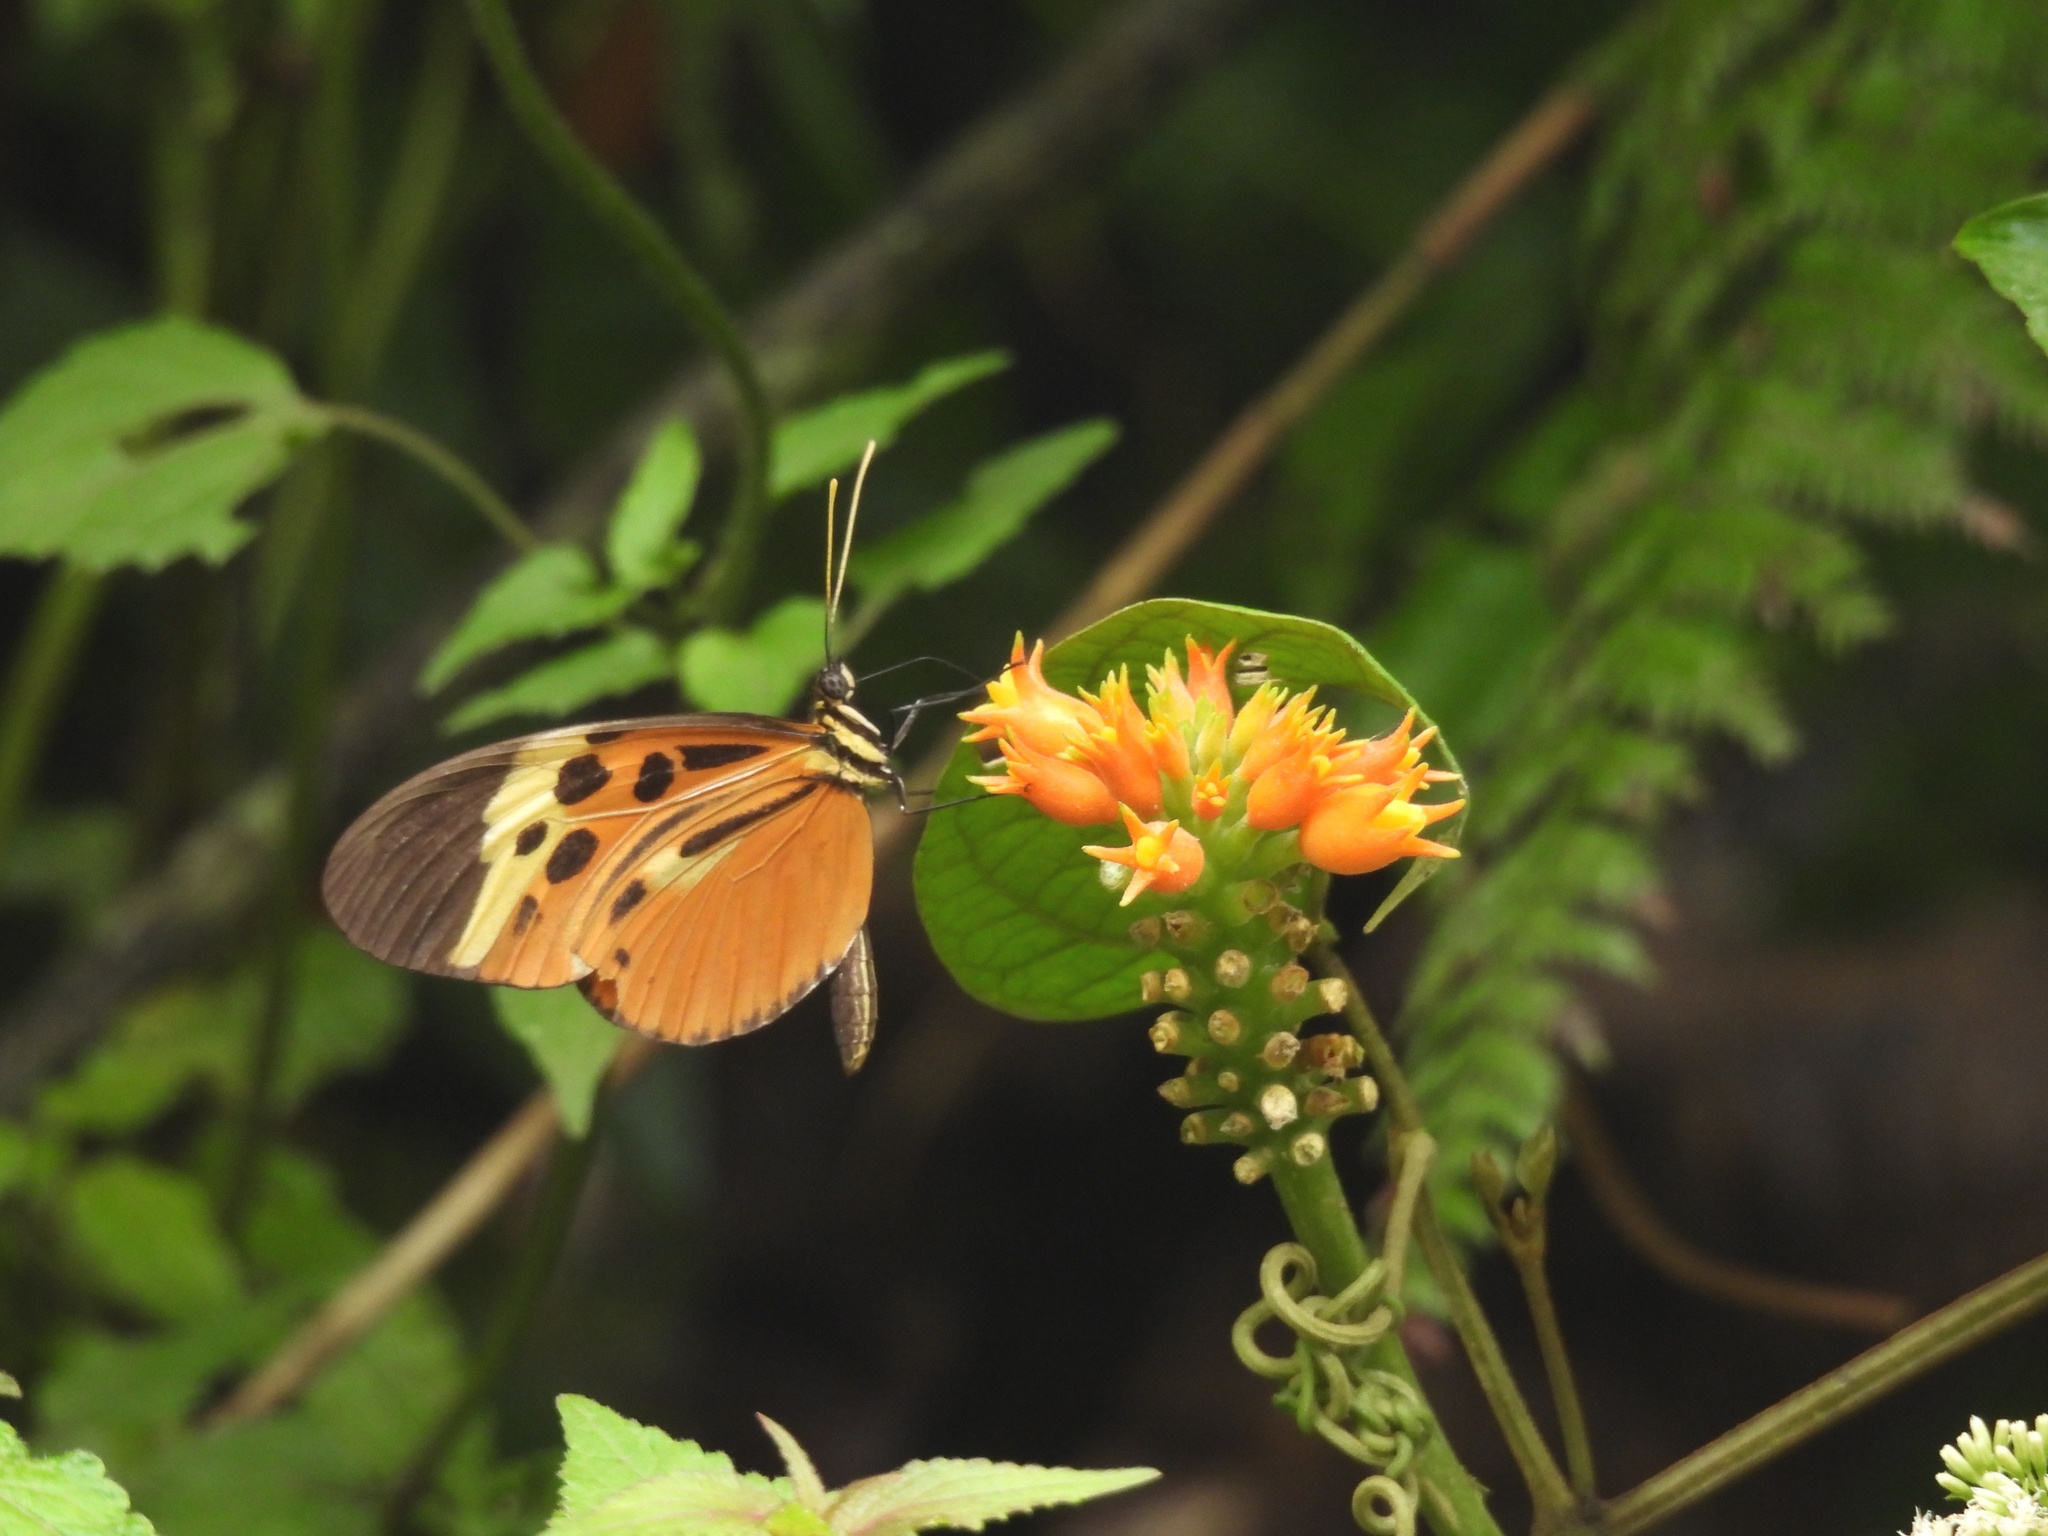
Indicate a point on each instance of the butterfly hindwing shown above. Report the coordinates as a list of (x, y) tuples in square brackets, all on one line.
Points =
[(764, 903)]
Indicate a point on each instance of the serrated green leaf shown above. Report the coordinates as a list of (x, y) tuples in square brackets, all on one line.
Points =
[(829, 439), (760, 671), (640, 543), (608, 1453), (149, 1235), (631, 659), (966, 1495), (137, 446), (2010, 244), (1009, 901), (553, 591), (68, 1495), (1001, 495), (569, 1041), (698, 1503)]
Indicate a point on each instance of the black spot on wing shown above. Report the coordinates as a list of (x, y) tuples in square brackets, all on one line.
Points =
[(580, 778), (530, 837), (657, 772), (718, 754), (571, 854), (628, 899), (622, 958), (710, 837), (599, 738), (522, 919)]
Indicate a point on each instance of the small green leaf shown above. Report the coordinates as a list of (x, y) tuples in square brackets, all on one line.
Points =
[(759, 672), (569, 1041), (163, 1043), (1001, 495), (2010, 243), (149, 1234), (551, 592), (68, 1495), (1011, 904), (609, 1453), (137, 446), (347, 1011), (812, 447), (966, 1495), (631, 659), (641, 542)]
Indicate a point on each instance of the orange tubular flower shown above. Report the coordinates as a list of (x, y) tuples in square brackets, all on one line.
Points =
[(1161, 857), (1212, 795), (1065, 791), (1118, 747), (1359, 830), (1025, 708)]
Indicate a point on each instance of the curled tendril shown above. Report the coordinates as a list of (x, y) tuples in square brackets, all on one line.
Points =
[(1382, 1507), (1372, 1416)]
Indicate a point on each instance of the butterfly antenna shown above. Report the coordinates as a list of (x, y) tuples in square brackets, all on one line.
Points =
[(831, 504), (860, 478)]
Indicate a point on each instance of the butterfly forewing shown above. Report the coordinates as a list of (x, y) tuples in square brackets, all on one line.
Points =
[(718, 854)]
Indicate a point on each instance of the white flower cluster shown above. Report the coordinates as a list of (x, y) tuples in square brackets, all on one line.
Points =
[(2002, 1475)]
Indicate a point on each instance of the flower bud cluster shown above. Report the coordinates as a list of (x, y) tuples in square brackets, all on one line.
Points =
[(1240, 1007)]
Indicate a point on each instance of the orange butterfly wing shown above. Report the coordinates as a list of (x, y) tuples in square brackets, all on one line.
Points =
[(720, 853)]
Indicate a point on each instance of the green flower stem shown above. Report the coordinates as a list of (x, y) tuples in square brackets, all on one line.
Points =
[(722, 589), (1547, 1486), (1557, 1366), (1320, 1216), (1914, 1350), (57, 630), (430, 455), (568, 1170)]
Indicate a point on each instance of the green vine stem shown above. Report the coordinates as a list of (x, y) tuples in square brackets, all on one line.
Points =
[(439, 461), (1548, 1489), (541, 1247), (722, 589), (43, 660), (1523, 1226), (1914, 1350)]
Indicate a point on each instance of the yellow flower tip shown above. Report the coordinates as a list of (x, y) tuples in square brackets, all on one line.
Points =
[(1162, 857), (1212, 795)]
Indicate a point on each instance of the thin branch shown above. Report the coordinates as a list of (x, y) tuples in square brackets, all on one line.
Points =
[(1636, 1221), (439, 461), (1913, 1351), (1147, 555)]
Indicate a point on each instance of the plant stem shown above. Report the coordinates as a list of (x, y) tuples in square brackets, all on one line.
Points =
[(391, 258), (1321, 1218), (1557, 1365), (567, 1171), (1547, 1486), (722, 588), (430, 455), (42, 665), (1912, 1351)]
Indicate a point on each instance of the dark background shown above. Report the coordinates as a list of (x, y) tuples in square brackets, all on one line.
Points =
[(991, 1242)]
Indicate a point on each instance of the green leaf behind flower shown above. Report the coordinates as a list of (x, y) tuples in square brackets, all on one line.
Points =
[(1012, 905), (68, 1495), (2010, 243)]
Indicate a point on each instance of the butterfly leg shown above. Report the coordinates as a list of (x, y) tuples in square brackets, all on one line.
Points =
[(855, 1003)]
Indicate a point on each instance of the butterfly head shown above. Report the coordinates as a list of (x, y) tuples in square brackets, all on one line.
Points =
[(832, 685)]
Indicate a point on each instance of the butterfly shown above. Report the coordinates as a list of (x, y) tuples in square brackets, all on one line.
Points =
[(695, 875)]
